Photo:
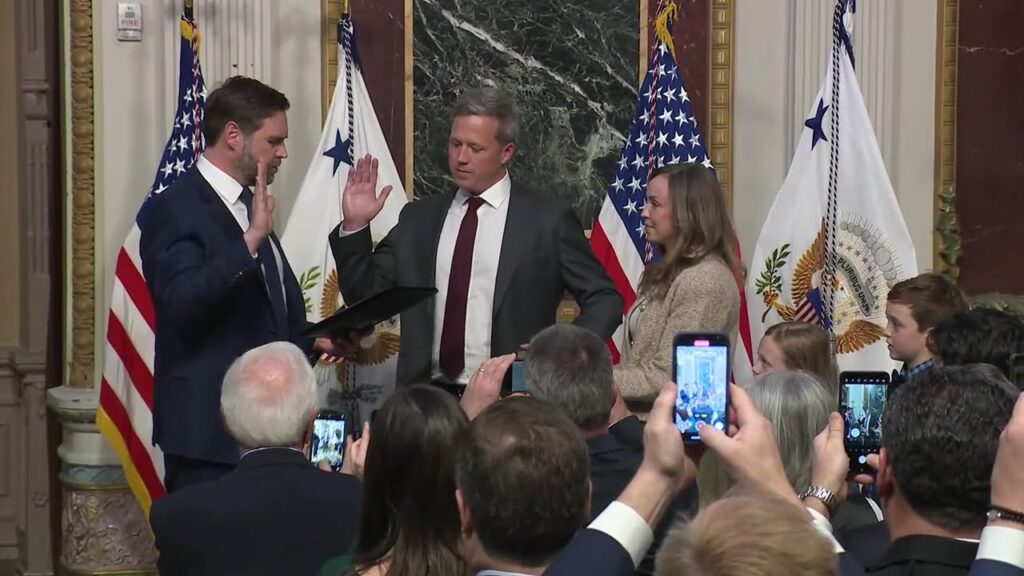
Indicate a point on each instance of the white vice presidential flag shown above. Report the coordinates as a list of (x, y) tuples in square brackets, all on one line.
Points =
[(836, 217), (350, 131)]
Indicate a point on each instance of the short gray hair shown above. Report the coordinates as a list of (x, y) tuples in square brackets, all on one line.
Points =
[(571, 368), (798, 406), (268, 396), (493, 102)]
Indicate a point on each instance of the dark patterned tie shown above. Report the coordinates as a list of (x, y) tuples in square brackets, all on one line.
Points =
[(452, 357), (272, 276)]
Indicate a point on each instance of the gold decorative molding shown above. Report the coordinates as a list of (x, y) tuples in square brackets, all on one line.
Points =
[(83, 208), (331, 10), (410, 158), (719, 134), (644, 34), (946, 244), (947, 224)]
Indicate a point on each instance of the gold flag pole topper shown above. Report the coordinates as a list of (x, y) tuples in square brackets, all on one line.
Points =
[(346, 7)]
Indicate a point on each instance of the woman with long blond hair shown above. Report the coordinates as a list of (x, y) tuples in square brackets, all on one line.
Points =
[(692, 287)]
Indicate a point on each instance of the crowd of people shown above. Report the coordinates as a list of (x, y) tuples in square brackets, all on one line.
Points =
[(584, 473)]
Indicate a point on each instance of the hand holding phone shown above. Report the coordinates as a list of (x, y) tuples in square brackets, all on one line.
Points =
[(700, 366), (862, 398), (328, 441)]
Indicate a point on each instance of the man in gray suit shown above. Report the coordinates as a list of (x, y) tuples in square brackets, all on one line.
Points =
[(500, 256)]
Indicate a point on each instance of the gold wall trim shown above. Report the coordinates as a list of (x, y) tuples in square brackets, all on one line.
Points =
[(644, 33), (410, 158), (946, 244), (719, 136), (83, 207)]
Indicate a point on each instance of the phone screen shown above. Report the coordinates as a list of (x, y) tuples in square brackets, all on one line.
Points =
[(518, 377), (862, 401), (1017, 370), (328, 442), (701, 366)]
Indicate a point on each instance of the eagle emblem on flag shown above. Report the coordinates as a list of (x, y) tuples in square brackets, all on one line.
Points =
[(867, 268)]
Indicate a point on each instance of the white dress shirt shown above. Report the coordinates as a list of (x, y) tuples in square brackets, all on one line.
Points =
[(230, 191), (491, 217)]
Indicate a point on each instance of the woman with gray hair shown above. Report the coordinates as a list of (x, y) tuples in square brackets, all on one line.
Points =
[(798, 406)]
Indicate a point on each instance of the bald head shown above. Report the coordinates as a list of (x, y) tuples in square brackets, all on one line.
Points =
[(268, 396)]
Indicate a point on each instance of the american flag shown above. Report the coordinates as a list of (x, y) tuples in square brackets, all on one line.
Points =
[(664, 131), (810, 309), (126, 394)]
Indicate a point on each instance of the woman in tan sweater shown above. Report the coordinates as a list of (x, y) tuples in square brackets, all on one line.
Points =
[(693, 287)]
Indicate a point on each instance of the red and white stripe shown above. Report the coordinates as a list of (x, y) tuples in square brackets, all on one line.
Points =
[(126, 393)]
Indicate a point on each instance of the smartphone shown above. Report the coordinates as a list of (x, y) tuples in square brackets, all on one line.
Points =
[(328, 441), (1017, 370), (700, 363), (518, 377), (515, 378), (862, 398)]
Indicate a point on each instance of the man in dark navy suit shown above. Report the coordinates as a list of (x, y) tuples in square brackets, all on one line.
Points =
[(219, 279)]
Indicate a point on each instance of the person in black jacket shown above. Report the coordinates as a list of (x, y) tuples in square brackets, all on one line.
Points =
[(276, 513)]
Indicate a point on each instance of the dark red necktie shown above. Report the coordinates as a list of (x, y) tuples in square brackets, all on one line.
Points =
[(452, 357)]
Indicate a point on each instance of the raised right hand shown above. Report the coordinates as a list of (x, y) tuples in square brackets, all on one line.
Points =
[(359, 200), (261, 220)]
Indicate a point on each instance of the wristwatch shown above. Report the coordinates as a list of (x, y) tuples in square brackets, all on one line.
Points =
[(824, 494), (1000, 513)]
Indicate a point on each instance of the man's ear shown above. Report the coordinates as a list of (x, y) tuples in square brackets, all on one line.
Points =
[(586, 505), (465, 523), (307, 438), (884, 478), (507, 151)]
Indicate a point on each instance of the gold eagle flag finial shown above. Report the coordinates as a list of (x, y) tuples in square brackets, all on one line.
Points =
[(668, 13)]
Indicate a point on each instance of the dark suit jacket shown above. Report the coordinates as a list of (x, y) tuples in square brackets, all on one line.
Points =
[(543, 253), (926, 555), (612, 466), (211, 306), (866, 543), (274, 514)]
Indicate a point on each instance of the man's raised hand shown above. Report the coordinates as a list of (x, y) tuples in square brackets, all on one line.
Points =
[(261, 217), (359, 200)]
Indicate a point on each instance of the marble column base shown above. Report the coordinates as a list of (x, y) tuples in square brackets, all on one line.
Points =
[(103, 528)]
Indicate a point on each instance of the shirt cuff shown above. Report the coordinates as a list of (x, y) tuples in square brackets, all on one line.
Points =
[(342, 232), (822, 525), (627, 528), (1002, 544)]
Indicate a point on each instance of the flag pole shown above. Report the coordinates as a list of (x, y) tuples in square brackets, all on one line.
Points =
[(188, 8), (346, 8)]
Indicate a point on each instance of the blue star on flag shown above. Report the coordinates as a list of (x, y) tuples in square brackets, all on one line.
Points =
[(340, 152), (817, 132)]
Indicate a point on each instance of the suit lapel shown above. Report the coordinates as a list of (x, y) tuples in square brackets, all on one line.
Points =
[(222, 216), (514, 242), (433, 224)]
